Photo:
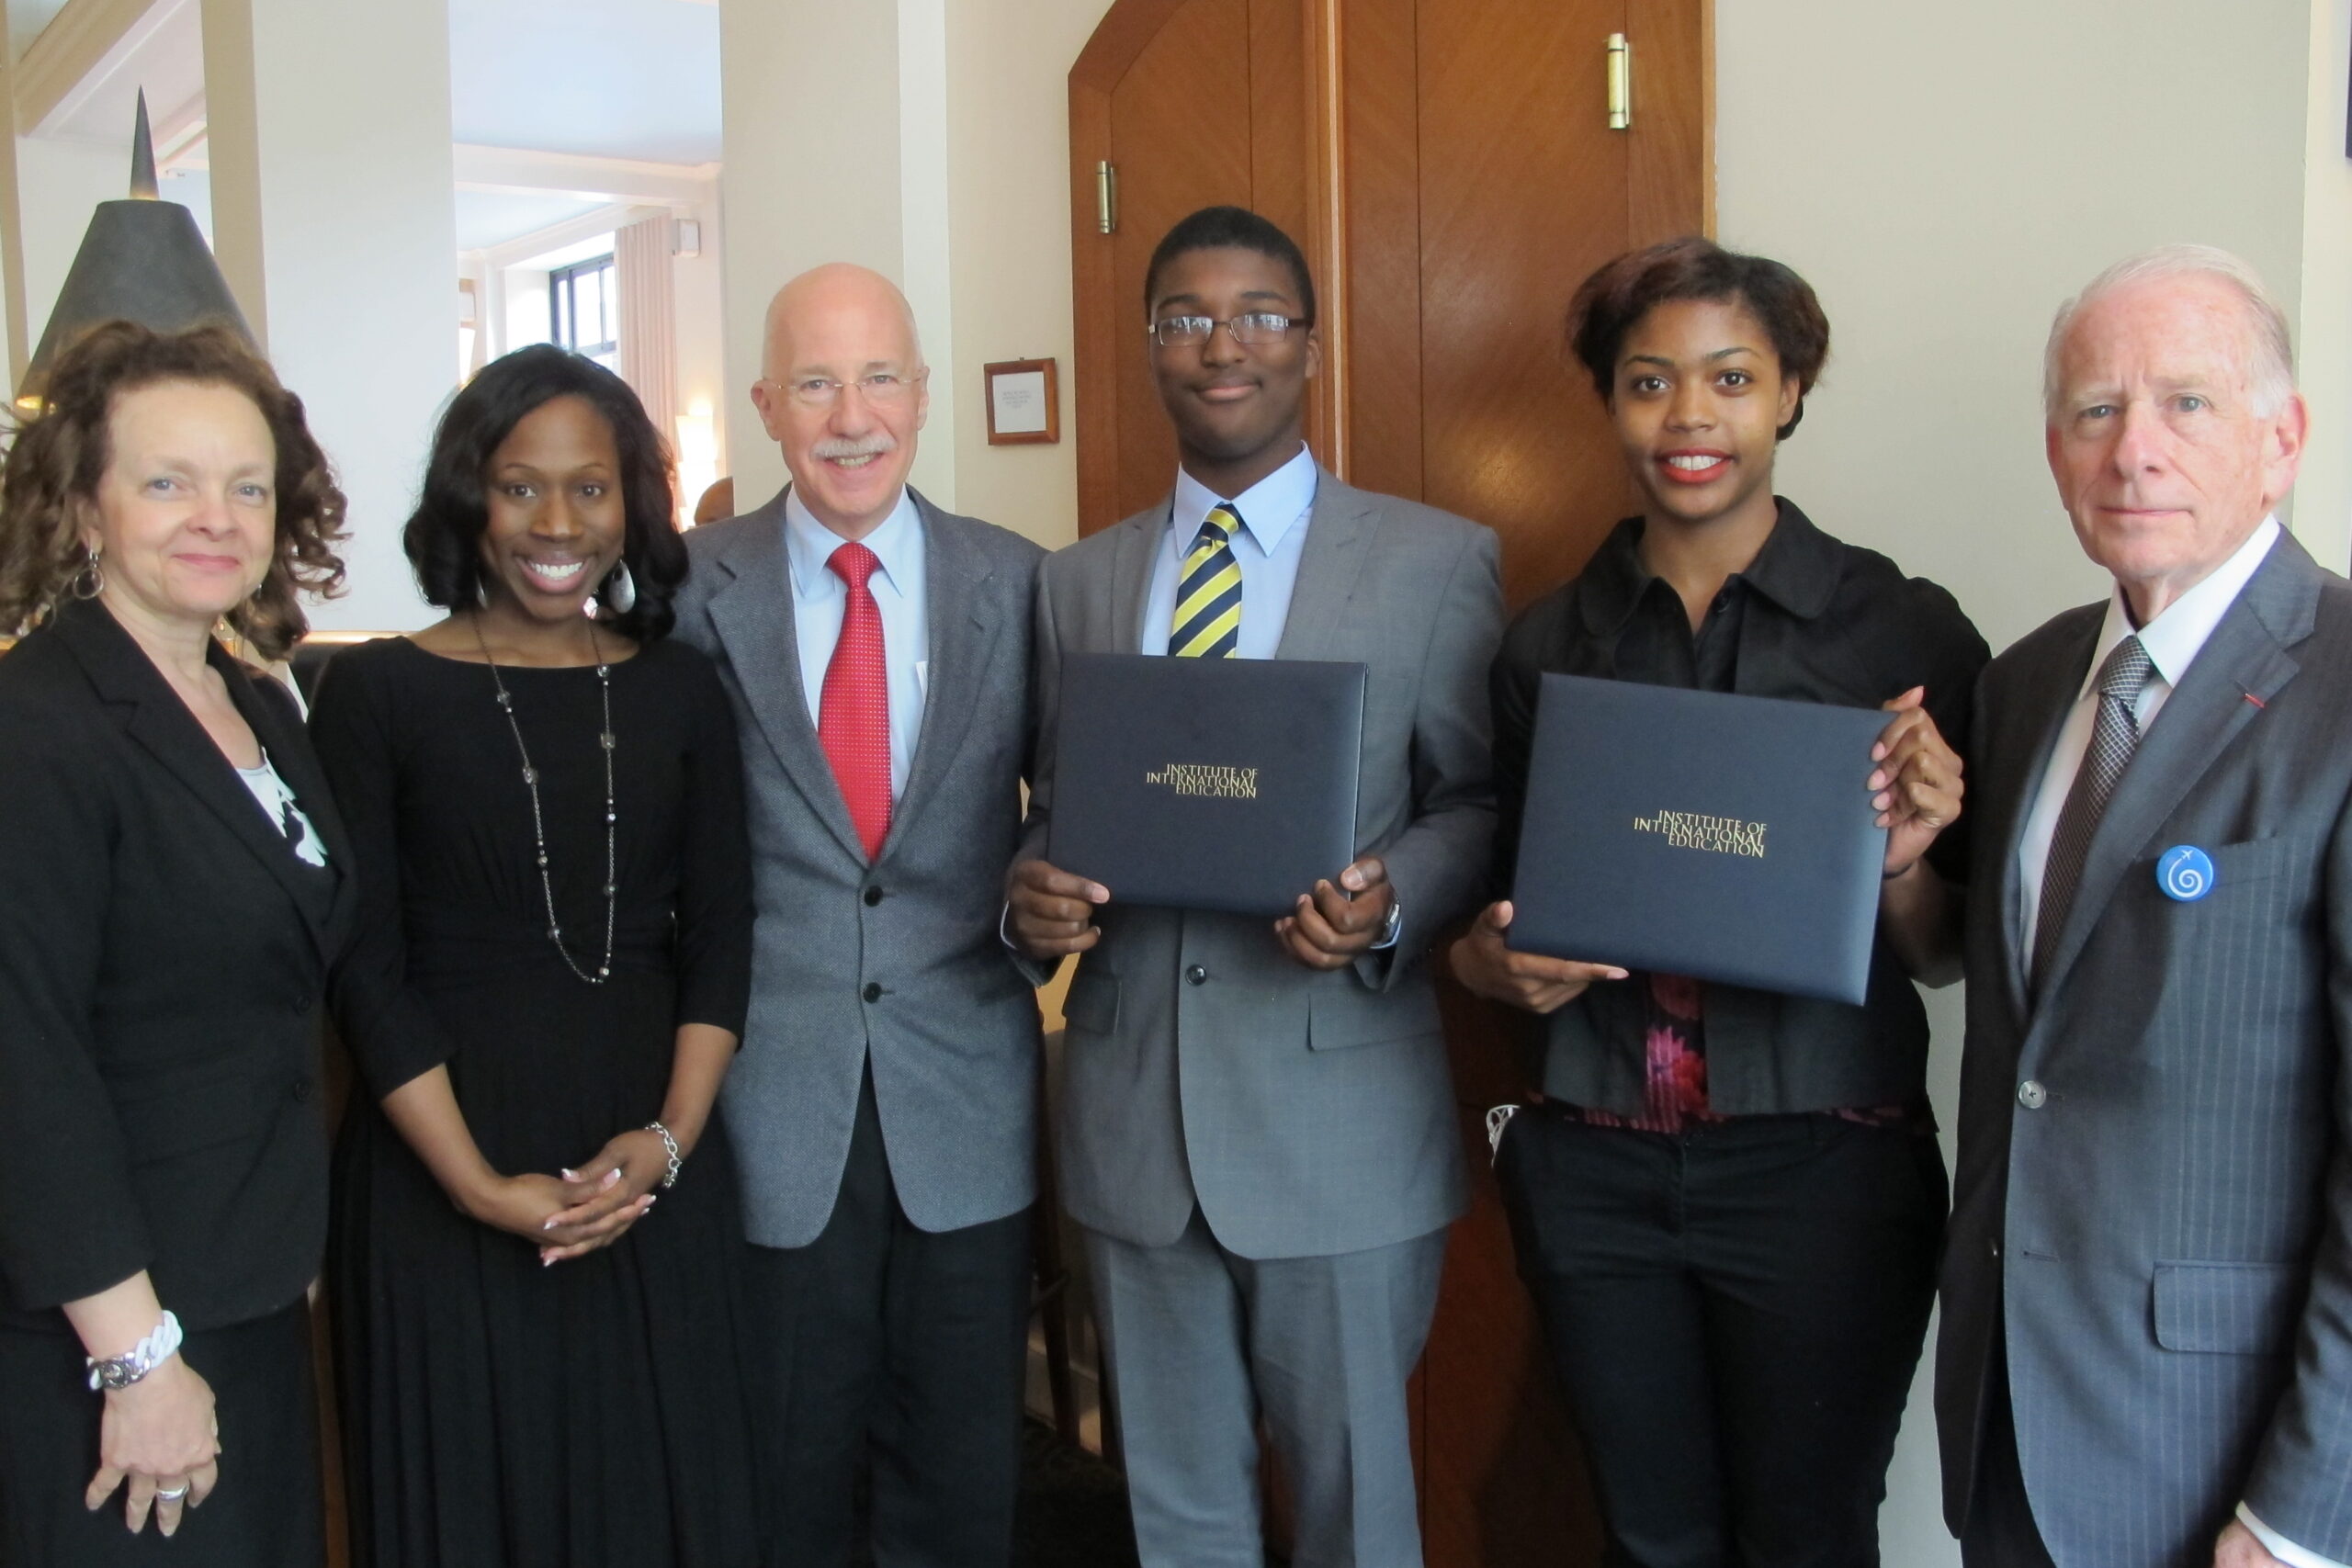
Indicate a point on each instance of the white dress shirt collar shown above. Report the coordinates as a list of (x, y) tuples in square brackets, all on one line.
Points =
[(809, 544), (1269, 508), (2179, 632)]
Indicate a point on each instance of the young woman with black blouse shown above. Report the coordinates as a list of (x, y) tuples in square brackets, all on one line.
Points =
[(535, 1233), (1728, 1202)]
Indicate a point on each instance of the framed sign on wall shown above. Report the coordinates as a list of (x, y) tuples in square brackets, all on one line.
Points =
[(1024, 402)]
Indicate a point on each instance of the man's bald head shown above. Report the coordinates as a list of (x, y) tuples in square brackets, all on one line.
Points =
[(828, 293), (841, 391)]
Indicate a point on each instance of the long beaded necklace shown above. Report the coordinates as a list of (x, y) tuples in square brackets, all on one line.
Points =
[(539, 822)]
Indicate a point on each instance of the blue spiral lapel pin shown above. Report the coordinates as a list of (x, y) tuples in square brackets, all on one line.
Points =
[(2184, 873)]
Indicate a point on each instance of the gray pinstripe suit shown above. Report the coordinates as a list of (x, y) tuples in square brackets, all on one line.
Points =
[(2154, 1197)]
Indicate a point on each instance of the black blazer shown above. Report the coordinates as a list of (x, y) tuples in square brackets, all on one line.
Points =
[(162, 956)]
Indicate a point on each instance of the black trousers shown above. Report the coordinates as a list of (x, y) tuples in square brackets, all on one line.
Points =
[(265, 1512), (1736, 1314), (901, 1347)]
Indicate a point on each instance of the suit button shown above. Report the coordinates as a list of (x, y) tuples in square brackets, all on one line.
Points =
[(873, 896), (2031, 1095), (873, 991), (1197, 976), (302, 1089)]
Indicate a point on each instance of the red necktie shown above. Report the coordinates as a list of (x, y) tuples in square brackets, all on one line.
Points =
[(853, 714)]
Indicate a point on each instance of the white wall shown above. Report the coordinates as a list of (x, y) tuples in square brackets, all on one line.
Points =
[(334, 227), (1008, 117), (59, 184), (819, 183), (698, 285), (2322, 509), (954, 113), (1946, 175)]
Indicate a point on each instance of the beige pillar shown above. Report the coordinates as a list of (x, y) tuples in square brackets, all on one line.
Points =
[(836, 136), (334, 222)]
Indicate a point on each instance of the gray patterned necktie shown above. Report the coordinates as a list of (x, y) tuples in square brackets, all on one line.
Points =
[(2115, 735)]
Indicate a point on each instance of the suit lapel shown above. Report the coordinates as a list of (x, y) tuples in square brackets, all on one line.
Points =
[(1131, 562), (2062, 685), (2245, 658), (154, 716), (323, 902), (752, 615), (1340, 529), (963, 626)]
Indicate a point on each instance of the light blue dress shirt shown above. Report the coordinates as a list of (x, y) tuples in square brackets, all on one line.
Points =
[(820, 599), (1273, 533), (1274, 516)]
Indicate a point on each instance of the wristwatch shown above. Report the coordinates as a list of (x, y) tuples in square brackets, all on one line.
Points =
[(120, 1371)]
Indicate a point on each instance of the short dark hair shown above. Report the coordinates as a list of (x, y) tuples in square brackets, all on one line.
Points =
[(1610, 302), (443, 537), (1229, 228), (62, 450)]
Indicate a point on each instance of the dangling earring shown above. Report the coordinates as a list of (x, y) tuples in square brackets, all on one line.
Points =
[(618, 591), (91, 581)]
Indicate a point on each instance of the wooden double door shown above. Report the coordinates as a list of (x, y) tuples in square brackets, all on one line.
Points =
[(1451, 169)]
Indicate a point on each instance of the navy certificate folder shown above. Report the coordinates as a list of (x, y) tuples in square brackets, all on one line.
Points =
[(1726, 838), (1206, 783)]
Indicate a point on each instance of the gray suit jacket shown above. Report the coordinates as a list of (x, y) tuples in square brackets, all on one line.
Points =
[(2163, 1220), (900, 961), (1309, 1113)]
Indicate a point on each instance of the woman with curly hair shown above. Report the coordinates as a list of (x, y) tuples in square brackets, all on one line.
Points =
[(538, 1364), (175, 889)]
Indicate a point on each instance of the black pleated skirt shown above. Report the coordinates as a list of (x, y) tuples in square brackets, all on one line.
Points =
[(497, 1414)]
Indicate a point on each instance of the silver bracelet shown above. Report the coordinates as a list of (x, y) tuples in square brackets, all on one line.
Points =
[(111, 1372), (669, 1147)]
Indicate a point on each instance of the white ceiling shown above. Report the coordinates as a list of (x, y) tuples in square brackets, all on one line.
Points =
[(164, 54), (492, 218), (635, 79), (26, 17), (613, 78)]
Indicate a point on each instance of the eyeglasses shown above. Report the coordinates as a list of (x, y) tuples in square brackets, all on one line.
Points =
[(885, 387), (1253, 329)]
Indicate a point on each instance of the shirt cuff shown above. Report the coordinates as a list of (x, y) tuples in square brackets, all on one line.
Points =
[(2279, 1546), (1390, 927), (1036, 971)]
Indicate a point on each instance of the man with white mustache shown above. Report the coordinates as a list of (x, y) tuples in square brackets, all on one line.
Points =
[(884, 1102)]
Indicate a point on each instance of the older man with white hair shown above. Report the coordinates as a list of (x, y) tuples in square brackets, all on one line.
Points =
[(2146, 1354), (883, 1106)]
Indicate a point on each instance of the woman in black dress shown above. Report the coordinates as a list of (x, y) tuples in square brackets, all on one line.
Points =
[(1728, 1203), (173, 891), (533, 1255)]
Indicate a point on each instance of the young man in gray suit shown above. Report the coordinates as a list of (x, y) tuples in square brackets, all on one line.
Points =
[(1257, 1131), (883, 1105), (2147, 1354)]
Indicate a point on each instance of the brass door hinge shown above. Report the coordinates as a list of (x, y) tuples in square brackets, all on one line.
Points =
[(1621, 83), (1107, 198)]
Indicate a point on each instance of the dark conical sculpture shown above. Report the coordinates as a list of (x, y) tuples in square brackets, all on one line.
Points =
[(141, 259)]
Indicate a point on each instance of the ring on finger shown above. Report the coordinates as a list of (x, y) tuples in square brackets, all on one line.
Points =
[(163, 1495)]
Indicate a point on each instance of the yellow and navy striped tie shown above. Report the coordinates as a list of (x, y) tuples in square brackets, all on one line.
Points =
[(1208, 593)]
